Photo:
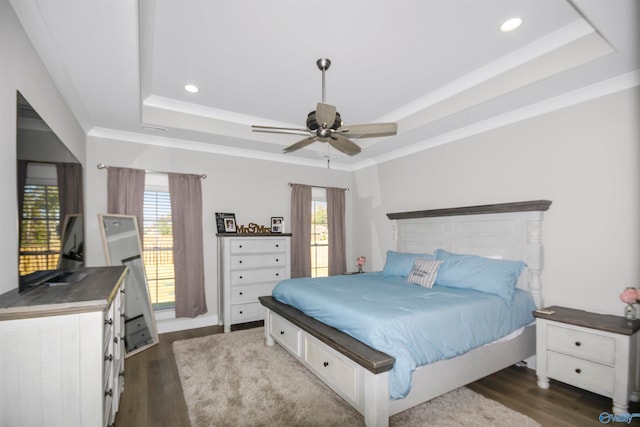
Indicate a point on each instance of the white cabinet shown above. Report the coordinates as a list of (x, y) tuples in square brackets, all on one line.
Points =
[(592, 351), (250, 265), (62, 352)]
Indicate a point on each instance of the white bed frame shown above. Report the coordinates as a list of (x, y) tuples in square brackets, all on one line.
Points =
[(508, 231)]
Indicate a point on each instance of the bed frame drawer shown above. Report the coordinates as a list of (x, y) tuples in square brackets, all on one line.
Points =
[(287, 335), (331, 367)]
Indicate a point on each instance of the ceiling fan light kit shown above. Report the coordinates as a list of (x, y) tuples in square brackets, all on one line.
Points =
[(324, 124)]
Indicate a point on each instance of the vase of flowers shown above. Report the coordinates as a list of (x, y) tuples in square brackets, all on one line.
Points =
[(630, 296), (360, 263)]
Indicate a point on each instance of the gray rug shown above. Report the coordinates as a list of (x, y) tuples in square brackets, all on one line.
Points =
[(235, 380)]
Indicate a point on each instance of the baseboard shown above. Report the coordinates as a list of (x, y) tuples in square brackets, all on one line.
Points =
[(166, 325)]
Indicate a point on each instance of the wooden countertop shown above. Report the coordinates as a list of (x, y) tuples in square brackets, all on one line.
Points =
[(92, 293)]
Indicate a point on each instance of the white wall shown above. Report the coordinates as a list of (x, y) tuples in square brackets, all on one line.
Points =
[(21, 70), (255, 190), (585, 159)]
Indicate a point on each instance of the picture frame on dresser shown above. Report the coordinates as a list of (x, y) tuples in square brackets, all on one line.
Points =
[(277, 224), (221, 221)]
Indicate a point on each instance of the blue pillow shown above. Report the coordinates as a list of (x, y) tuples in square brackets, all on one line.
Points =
[(494, 276), (400, 264)]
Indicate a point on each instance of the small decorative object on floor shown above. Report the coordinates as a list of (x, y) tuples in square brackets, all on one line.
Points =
[(360, 263), (630, 296)]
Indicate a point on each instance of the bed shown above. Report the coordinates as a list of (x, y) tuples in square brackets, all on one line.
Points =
[(362, 375)]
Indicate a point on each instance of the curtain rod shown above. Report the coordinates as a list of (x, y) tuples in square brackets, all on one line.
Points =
[(103, 166), (317, 186)]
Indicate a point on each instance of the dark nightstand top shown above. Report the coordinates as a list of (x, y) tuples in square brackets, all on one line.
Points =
[(601, 322)]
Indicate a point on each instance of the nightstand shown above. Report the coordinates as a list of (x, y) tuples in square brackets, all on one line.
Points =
[(595, 352)]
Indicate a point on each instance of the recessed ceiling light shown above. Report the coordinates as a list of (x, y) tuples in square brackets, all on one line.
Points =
[(191, 88), (510, 24)]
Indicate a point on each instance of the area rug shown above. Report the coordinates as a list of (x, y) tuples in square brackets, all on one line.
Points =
[(235, 380)]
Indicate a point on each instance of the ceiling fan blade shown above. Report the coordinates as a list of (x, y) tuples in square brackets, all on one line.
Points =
[(369, 130), (341, 143), (275, 129), (325, 114), (300, 144)]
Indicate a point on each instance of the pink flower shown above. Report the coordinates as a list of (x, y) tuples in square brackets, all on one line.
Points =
[(630, 296), (361, 260)]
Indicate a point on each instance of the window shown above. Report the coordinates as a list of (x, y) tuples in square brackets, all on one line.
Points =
[(40, 221), (158, 243), (319, 234)]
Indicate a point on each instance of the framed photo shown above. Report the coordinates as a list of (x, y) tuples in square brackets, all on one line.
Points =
[(226, 222), (277, 224)]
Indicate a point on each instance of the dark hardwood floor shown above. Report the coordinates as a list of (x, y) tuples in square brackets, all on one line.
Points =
[(153, 394)]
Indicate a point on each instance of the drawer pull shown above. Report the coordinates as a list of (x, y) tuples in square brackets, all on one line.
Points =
[(108, 322), (325, 364), (277, 245), (240, 262), (578, 370), (277, 260), (241, 277), (281, 332), (122, 291), (240, 246), (108, 393), (240, 293), (277, 274), (115, 340), (240, 311), (578, 343), (121, 374), (109, 357)]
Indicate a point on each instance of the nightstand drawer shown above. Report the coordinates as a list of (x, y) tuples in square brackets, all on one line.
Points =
[(581, 373), (585, 345)]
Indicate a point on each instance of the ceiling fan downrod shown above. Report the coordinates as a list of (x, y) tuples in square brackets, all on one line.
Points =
[(323, 64)]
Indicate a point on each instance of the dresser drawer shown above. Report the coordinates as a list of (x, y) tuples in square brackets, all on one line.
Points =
[(585, 345), (257, 261), (244, 246), (249, 293), (286, 334), (247, 312), (239, 277), (337, 372), (581, 373)]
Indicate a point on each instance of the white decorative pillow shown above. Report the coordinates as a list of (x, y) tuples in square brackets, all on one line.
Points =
[(424, 272)]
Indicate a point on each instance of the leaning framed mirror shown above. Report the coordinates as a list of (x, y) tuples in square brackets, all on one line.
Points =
[(122, 246)]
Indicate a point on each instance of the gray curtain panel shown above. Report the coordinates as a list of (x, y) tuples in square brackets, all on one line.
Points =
[(337, 232), (125, 193), (69, 190), (186, 214), (300, 230)]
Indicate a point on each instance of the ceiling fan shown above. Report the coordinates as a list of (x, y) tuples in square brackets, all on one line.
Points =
[(325, 125)]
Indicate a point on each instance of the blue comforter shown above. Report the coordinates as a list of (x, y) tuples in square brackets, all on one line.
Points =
[(413, 324)]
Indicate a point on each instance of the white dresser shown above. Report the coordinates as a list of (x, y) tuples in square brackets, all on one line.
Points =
[(250, 265), (62, 352), (595, 352)]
